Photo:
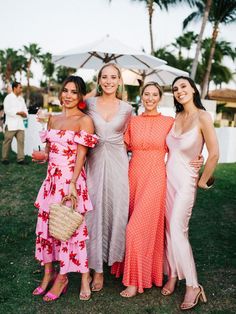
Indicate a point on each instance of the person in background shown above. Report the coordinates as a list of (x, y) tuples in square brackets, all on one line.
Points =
[(15, 111), (107, 174), (192, 128), (68, 137)]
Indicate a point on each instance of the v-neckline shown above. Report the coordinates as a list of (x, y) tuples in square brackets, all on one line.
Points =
[(99, 114), (179, 135)]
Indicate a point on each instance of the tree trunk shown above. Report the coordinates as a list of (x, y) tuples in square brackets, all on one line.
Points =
[(206, 78), (150, 13), (28, 83), (199, 40)]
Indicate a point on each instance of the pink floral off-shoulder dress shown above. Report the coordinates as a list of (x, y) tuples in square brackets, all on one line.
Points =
[(71, 254)]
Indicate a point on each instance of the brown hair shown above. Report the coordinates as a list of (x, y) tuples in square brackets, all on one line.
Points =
[(79, 85), (119, 92), (152, 83)]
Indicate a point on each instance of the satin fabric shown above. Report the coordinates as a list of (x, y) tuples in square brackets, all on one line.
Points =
[(181, 192), (107, 179)]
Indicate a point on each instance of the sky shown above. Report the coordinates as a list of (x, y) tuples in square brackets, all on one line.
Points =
[(60, 25)]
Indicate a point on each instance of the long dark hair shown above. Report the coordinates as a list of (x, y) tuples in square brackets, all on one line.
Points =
[(196, 96), (79, 85)]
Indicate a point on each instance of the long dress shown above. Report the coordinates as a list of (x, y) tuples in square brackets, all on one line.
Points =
[(181, 191), (146, 138), (107, 179), (71, 254)]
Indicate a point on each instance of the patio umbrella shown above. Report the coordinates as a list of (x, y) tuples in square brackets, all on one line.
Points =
[(96, 54), (163, 75)]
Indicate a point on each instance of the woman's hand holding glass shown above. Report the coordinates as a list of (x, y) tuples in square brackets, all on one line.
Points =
[(43, 117)]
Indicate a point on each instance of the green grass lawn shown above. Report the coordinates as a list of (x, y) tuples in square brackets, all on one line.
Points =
[(212, 234)]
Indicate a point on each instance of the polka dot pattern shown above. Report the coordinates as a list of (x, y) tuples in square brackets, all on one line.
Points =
[(146, 138)]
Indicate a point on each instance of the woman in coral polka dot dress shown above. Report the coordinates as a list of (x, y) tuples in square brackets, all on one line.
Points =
[(68, 137), (146, 138)]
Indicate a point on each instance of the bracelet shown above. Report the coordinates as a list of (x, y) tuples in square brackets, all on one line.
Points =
[(72, 181)]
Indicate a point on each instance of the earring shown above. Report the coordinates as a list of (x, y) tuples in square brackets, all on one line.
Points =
[(81, 105), (119, 89), (99, 89)]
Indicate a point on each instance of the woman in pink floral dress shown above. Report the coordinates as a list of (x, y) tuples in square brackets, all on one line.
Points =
[(67, 140)]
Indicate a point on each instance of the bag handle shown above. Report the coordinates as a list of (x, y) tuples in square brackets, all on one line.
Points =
[(69, 198)]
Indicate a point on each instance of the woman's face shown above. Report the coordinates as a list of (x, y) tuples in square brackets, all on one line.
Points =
[(151, 98), (183, 91), (69, 96), (109, 80)]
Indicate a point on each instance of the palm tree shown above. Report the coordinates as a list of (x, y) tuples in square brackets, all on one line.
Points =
[(32, 53), (219, 73), (203, 6), (9, 64), (185, 41), (163, 5), (221, 12), (48, 68)]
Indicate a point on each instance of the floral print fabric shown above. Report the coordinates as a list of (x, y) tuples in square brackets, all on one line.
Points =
[(71, 254)]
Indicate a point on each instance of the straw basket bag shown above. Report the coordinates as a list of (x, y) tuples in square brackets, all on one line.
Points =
[(64, 220)]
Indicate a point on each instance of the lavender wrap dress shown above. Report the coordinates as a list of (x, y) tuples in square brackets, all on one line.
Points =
[(107, 179)]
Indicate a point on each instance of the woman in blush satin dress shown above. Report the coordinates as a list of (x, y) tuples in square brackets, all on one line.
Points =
[(67, 140), (107, 175), (193, 126)]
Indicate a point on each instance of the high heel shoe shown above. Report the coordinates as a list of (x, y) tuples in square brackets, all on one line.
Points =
[(39, 290), (166, 292), (200, 296), (85, 295), (97, 286), (49, 296)]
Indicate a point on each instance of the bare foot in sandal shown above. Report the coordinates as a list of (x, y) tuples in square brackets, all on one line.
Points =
[(97, 283), (129, 292)]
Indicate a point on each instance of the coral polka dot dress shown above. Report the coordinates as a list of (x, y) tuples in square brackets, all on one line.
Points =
[(71, 254), (146, 138)]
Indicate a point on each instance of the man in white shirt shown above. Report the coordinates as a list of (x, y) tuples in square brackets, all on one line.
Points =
[(15, 110)]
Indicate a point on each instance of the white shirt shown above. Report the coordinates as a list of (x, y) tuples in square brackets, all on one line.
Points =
[(13, 104)]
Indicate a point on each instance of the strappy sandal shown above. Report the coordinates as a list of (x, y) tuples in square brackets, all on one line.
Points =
[(39, 290), (166, 292), (200, 296), (126, 294), (85, 295), (97, 286), (49, 297)]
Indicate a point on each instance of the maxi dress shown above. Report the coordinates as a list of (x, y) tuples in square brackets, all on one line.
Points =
[(71, 254), (107, 179), (181, 192), (146, 139)]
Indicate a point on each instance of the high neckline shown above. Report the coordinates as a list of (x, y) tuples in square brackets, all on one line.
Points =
[(151, 115)]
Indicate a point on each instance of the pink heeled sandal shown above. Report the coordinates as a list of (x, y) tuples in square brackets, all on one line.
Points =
[(49, 297), (39, 290)]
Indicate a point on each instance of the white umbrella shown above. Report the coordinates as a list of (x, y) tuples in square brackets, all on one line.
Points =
[(96, 54), (163, 75)]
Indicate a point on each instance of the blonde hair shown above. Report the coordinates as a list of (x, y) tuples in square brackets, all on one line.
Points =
[(120, 91), (152, 83)]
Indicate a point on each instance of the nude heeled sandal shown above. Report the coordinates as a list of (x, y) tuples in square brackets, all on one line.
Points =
[(200, 296)]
